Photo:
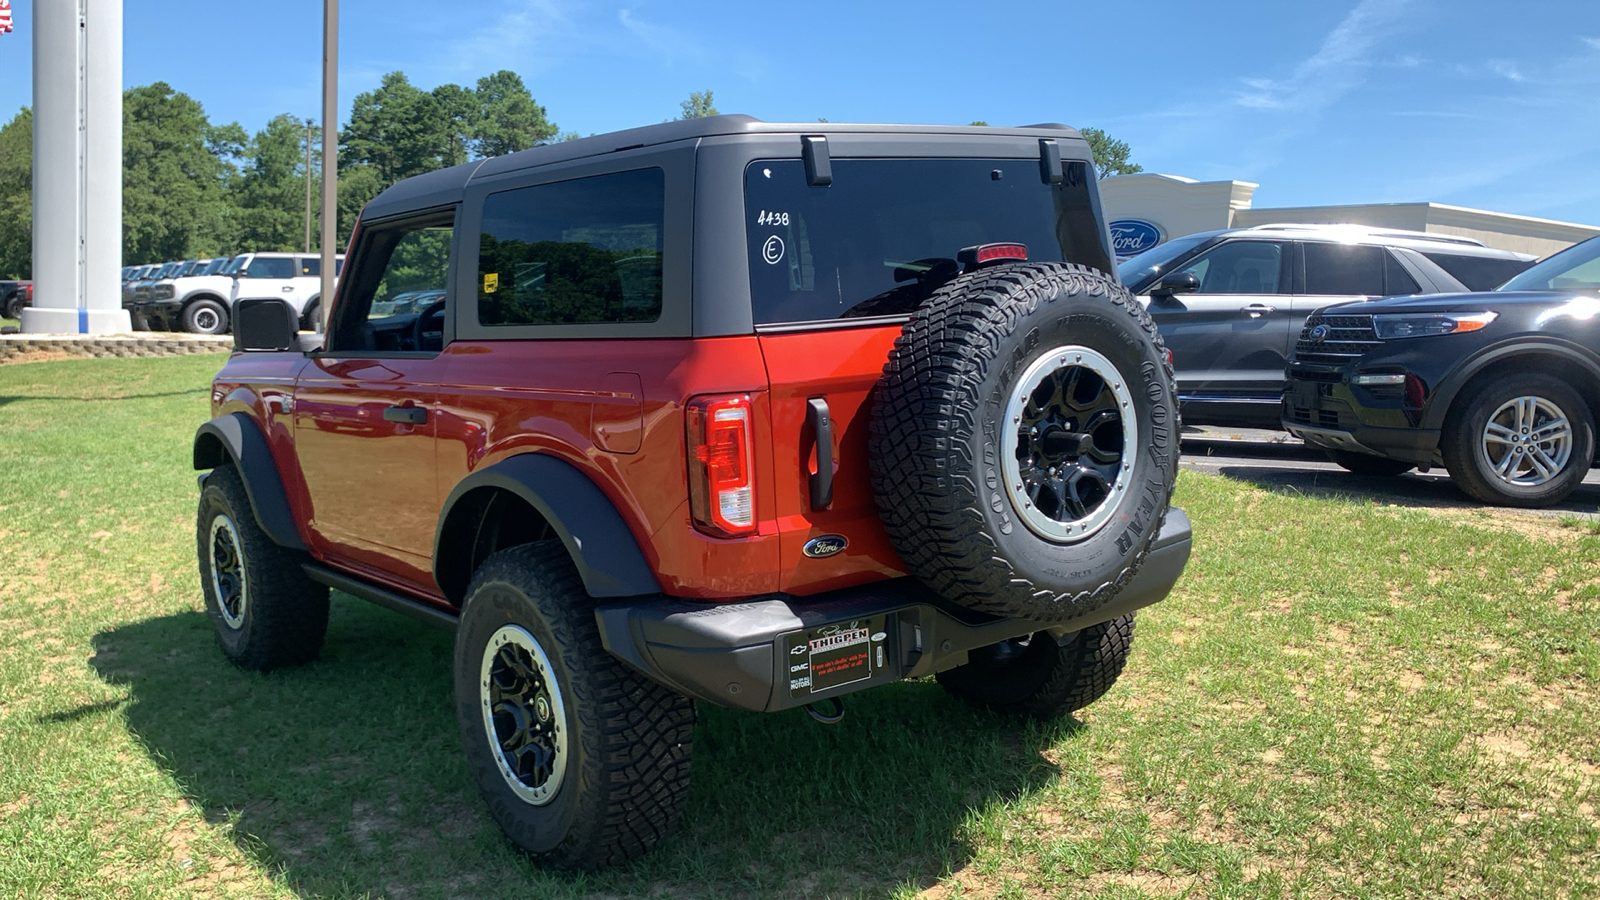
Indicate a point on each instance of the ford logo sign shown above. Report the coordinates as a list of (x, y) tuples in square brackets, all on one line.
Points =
[(826, 545), (1131, 237), (1320, 332)]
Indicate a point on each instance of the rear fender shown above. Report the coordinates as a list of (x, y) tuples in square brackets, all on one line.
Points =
[(598, 540), (237, 439)]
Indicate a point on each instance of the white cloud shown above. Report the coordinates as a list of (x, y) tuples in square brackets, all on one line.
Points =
[(1336, 68), (1591, 41), (670, 44), (1507, 70)]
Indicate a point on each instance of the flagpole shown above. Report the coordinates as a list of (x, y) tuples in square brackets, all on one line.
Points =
[(330, 152)]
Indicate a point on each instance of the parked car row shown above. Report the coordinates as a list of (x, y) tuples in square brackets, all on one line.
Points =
[(1390, 350), (195, 295), (1230, 303)]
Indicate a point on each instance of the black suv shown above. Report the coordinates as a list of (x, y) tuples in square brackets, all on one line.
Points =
[(1502, 388), (1229, 303)]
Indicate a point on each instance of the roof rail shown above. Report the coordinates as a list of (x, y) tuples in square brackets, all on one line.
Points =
[(1370, 231)]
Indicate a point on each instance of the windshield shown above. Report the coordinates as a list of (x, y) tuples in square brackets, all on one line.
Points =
[(887, 232), (1139, 271), (1576, 268), (215, 266), (235, 265)]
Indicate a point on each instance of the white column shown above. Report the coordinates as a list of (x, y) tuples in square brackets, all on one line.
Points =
[(77, 168)]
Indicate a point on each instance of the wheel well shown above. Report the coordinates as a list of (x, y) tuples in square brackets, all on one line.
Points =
[(1582, 379), (482, 523), (209, 452), (195, 298)]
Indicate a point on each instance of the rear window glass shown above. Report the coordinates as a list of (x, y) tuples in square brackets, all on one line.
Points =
[(581, 251), (271, 267), (1479, 273), (886, 233), (1344, 269)]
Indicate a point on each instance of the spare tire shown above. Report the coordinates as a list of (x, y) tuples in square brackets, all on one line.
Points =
[(1024, 440)]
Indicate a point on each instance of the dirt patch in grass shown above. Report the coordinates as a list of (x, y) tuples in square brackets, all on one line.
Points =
[(33, 356)]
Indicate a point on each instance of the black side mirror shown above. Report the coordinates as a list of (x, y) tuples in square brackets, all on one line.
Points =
[(1175, 283), (264, 323)]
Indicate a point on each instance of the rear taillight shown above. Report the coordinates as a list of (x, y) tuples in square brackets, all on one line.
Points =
[(721, 491)]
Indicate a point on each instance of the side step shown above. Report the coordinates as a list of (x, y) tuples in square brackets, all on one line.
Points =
[(384, 597)]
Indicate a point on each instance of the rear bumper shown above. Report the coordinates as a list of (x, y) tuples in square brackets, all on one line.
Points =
[(763, 656)]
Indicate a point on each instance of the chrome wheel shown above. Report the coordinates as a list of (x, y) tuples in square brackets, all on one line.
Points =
[(228, 581), (1527, 442), (1069, 434), (206, 320), (523, 714)]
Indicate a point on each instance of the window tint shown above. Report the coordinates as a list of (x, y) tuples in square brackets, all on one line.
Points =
[(235, 265), (1238, 267), (1396, 280), (403, 276), (311, 266), (587, 250), (1344, 269), (1479, 273), (886, 233), (271, 267)]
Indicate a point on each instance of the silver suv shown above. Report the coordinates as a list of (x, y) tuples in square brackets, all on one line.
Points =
[(1230, 303)]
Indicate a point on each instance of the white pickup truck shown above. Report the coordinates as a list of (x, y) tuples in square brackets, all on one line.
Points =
[(295, 277)]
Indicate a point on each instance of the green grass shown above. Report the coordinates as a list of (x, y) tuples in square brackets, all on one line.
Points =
[(15, 323), (1339, 701)]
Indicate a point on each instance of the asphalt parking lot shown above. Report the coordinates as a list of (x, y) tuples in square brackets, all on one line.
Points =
[(1276, 461)]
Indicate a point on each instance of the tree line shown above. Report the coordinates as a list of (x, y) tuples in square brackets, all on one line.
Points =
[(192, 188)]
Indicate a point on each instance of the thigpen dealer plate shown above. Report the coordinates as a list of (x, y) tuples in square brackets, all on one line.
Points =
[(836, 655)]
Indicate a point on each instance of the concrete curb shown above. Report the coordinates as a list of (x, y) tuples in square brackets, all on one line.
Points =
[(28, 347)]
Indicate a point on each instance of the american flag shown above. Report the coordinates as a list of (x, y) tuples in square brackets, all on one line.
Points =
[(5, 16)]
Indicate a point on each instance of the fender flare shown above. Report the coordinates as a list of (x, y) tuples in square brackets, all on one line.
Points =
[(598, 540), (237, 438), (1444, 396)]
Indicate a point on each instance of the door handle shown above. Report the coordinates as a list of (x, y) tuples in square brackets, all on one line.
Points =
[(822, 426), (1257, 310), (406, 415), (289, 290)]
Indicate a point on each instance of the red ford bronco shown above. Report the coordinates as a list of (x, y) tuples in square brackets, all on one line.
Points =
[(719, 410)]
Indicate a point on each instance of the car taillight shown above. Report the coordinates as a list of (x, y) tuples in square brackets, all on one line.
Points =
[(721, 491)]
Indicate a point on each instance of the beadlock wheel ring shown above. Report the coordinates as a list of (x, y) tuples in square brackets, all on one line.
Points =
[(524, 717), (1067, 443), (205, 319), (229, 583), (1527, 442)]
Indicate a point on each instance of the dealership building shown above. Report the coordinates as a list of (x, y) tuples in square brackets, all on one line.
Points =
[(1148, 209)]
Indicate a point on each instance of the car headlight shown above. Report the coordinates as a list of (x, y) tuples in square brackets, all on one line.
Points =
[(1429, 324)]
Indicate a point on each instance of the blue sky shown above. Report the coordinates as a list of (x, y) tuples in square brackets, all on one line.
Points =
[(1470, 102)]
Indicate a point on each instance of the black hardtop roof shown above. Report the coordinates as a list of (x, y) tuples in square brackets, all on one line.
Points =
[(443, 187)]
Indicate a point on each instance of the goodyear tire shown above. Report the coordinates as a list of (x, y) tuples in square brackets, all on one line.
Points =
[(1025, 440), (267, 613), (582, 761), (1042, 677)]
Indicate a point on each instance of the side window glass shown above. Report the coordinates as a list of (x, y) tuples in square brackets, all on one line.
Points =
[(311, 267), (581, 251), (1344, 269), (1239, 267), (397, 300), (1396, 280), (271, 267)]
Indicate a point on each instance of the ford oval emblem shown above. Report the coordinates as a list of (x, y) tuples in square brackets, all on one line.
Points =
[(826, 545), (1320, 332), (1131, 237)]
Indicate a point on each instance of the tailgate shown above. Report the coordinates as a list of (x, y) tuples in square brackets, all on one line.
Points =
[(839, 367)]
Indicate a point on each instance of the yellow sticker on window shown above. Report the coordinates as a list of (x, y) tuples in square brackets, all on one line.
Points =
[(491, 282)]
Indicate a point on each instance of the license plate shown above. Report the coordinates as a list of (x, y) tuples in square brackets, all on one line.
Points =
[(836, 655)]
